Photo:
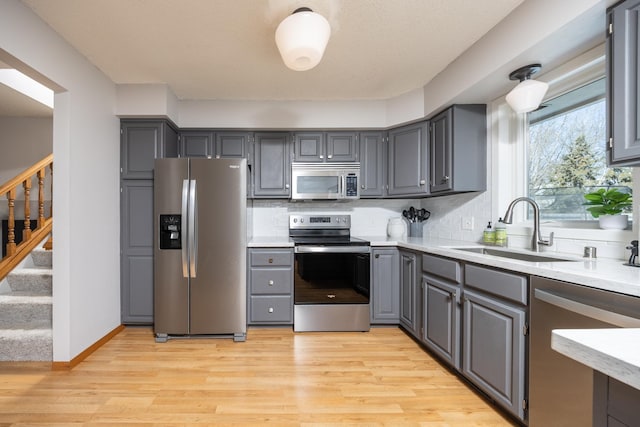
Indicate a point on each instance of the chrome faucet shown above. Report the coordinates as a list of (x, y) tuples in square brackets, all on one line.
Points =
[(536, 238)]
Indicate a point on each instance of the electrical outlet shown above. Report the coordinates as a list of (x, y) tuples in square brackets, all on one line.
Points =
[(467, 223)]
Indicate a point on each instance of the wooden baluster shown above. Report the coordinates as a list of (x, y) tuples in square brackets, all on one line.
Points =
[(11, 234), (51, 187), (41, 197), (26, 233)]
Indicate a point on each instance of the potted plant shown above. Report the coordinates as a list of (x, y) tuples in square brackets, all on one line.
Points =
[(607, 205)]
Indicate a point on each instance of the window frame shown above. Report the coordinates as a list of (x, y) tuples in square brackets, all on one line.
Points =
[(509, 136)]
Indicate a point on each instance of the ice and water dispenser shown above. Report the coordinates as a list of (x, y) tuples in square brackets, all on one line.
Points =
[(170, 232)]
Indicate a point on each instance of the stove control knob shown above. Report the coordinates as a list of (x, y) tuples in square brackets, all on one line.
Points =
[(301, 220), (295, 220)]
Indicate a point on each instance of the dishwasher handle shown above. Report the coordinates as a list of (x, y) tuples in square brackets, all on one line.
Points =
[(587, 310)]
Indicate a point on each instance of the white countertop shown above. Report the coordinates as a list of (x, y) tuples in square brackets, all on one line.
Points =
[(614, 352), (601, 273)]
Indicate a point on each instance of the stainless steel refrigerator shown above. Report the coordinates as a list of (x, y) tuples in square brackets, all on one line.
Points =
[(200, 247)]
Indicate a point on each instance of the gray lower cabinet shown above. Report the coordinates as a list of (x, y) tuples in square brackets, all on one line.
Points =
[(214, 144), (136, 260), (442, 292), (385, 286), (271, 173), (320, 147), (615, 404), (623, 75), (494, 335), (410, 298), (458, 147), (372, 164), (142, 141), (270, 296), (408, 161)]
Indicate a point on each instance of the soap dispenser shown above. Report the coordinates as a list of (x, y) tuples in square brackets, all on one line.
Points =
[(501, 233), (489, 235)]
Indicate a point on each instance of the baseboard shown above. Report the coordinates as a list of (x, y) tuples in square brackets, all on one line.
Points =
[(62, 366)]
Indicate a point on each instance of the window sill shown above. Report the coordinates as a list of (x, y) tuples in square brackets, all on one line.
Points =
[(574, 230)]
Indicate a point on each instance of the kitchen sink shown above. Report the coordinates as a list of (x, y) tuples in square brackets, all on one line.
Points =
[(521, 256)]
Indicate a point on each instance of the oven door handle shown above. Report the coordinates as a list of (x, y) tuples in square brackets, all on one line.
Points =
[(587, 310), (332, 249)]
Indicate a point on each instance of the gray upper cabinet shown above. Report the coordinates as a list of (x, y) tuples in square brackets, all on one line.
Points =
[(372, 164), (143, 141), (408, 161), (623, 75), (271, 173), (458, 141), (319, 147), (196, 144), (205, 143), (385, 286)]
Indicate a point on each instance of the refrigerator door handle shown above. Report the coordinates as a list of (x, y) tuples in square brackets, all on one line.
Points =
[(183, 227), (193, 229)]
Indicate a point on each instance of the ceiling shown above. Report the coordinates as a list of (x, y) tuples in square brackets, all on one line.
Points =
[(225, 49)]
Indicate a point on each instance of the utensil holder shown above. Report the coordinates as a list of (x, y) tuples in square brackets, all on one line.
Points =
[(415, 229)]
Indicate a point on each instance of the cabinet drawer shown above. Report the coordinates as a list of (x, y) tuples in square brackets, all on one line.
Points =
[(271, 257), (443, 267), (271, 309), (271, 280), (506, 285)]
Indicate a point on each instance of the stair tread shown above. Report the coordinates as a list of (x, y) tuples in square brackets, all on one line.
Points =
[(26, 333), (32, 271), (26, 299)]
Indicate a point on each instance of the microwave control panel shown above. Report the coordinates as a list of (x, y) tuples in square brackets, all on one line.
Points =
[(351, 185)]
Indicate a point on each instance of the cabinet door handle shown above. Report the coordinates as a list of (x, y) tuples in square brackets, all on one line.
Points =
[(270, 310), (270, 260), (270, 282)]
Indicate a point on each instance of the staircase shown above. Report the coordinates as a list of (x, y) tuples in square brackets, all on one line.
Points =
[(25, 310)]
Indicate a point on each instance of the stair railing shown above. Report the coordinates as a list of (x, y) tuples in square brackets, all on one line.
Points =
[(30, 239)]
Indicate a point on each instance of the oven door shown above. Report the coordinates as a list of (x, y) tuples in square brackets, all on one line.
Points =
[(331, 274)]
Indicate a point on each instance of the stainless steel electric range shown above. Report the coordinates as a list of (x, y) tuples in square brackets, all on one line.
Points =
[(331, 274)]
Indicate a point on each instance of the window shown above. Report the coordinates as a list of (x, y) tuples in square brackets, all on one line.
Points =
[(566, 154)]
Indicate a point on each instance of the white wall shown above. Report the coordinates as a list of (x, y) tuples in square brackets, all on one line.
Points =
[(86, 296), (23, 141)]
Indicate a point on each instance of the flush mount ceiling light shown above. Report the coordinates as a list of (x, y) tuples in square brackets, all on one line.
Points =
[(301, 38), (528, 95)]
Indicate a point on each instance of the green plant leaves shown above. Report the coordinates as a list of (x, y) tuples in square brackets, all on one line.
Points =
[(607, 202)]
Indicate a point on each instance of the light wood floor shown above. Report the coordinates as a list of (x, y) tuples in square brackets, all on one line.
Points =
[(276, 377)]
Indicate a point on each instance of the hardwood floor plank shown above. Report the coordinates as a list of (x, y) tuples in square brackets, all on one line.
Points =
[(276, 377)]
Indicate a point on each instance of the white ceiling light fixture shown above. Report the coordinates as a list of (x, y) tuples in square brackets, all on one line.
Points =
[(302, 38), (528, 95)]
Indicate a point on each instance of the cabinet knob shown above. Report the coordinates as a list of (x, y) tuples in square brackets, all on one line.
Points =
[(445, 178), (270, 260), (330, 156), (321, 156), (286, 186), (423, 182), (217, 156), (362, 186), (377, 256), (270, 310), (270, 282)]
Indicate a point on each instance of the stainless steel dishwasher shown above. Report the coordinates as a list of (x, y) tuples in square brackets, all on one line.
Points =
[(561, 389)]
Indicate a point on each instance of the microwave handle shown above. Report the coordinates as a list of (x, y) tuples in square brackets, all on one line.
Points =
[(341, 189)]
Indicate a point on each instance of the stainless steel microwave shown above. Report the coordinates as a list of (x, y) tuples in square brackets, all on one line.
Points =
[(325, 181)]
